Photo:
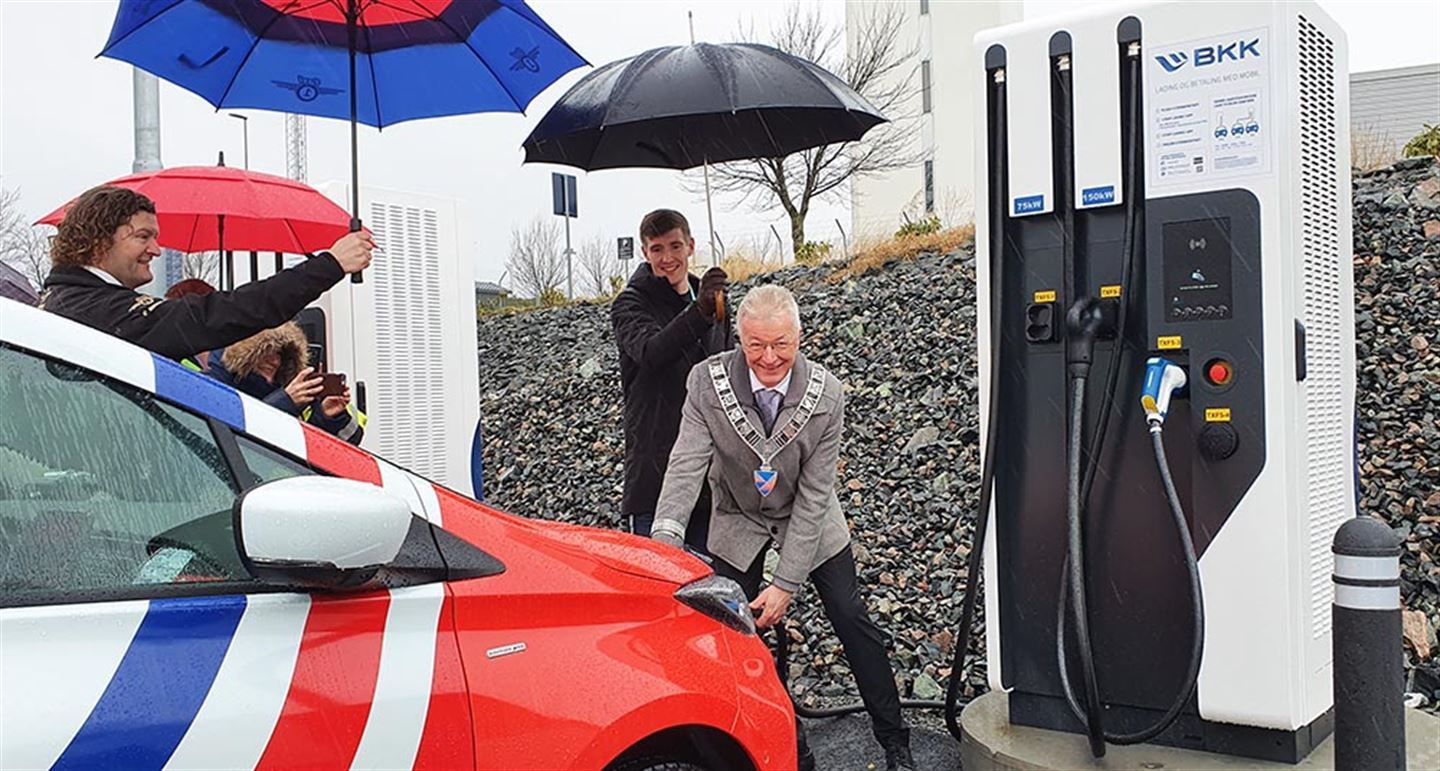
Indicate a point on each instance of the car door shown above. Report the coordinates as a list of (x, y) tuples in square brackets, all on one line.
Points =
[(131, 634)]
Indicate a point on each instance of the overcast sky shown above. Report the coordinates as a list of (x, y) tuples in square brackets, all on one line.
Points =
[(65, 117)]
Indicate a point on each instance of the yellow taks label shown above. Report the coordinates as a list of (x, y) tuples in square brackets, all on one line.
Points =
[(1217, 415), (1170, 343), (1045, 296), (1107, 292)]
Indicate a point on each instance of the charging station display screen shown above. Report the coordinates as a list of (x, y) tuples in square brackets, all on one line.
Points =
[(1198, 254)]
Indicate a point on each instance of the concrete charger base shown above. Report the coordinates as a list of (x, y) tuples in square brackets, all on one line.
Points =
[(991, 744)]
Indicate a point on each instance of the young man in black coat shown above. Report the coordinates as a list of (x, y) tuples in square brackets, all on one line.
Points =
[(102, 253), (665, 322)]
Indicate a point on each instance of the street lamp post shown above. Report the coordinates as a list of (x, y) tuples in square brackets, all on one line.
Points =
[(245, 121)]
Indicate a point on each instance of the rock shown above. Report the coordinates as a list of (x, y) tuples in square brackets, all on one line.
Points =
[(1416, 629), (591, 367), (925, 687), (1432, 229), (921, 439), (1395, 201), (941, 483), (1419, 343), (1427, 194)]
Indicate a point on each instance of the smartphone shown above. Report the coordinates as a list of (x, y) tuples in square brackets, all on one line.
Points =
[(317, 357), (332, 384)]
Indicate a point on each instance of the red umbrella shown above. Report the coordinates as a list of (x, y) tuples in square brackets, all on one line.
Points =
[(217, 208)]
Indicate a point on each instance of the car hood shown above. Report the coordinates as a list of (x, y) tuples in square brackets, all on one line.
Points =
[(622, 552)]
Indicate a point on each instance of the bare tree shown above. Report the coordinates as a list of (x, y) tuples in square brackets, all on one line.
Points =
[(880, 68), (537, 259), (598, 267), (28, 251), (10, 215), (23, 246), (201, 265)]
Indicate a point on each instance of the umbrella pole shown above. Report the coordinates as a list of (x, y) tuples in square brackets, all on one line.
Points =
[(351, 23), (710, 214), (227, 268)]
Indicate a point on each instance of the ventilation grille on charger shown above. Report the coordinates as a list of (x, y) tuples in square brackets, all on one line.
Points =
[(1329, 448), (408, 405)]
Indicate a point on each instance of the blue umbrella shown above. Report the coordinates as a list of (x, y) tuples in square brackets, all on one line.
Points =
[(377, 62)]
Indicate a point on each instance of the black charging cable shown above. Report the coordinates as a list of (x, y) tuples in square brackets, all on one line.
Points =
[(1197, 609), (1082, 326)]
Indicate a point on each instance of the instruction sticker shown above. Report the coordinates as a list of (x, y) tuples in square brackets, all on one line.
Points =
[(1209, 108)]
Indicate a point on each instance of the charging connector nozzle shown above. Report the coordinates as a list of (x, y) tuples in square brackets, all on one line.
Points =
[(1082, 326), (1162, 379)]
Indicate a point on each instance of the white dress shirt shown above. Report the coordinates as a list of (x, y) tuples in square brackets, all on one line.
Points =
[(783, 387), (109, 279)]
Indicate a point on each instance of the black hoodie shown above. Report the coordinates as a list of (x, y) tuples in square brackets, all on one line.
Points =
[(661, 336)]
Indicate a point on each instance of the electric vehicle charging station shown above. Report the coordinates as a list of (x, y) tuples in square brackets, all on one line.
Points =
[(1114, 209)]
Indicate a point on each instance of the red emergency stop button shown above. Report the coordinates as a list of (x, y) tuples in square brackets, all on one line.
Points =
[(1219, 372)]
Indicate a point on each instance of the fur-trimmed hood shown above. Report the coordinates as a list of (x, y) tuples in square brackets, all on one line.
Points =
[(287, 340)]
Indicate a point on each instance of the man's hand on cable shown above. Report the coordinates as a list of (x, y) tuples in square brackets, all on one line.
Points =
[(772, 604), (352, 251), (712, 285)]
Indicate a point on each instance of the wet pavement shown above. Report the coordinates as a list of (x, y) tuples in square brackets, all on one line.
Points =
[(846, 744)]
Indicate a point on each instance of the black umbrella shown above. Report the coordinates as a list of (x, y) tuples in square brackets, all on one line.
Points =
[(679, 107)]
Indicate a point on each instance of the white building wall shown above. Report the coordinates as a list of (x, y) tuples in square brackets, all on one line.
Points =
[(944, 36), (1390, 107)]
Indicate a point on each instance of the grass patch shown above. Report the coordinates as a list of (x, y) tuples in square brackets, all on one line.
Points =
[(741, 267), (873, 256)]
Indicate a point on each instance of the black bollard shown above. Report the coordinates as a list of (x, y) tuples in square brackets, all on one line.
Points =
[(1369, 660)]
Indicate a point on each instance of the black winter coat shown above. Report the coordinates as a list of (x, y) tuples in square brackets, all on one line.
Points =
[(194, 323), (661, 336)]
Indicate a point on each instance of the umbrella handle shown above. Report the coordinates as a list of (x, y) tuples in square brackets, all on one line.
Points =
[(356, 278), (720, 305)]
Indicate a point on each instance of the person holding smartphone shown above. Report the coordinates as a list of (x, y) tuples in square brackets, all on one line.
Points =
[(259, 364)]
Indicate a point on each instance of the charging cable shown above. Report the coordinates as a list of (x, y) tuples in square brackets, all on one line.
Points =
[(1163, 379)]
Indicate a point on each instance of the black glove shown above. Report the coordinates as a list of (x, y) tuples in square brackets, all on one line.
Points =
[(712, 292)]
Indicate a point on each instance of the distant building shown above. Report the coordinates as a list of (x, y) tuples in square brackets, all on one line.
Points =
[(489, 294), (941, 35), (1389, 107)]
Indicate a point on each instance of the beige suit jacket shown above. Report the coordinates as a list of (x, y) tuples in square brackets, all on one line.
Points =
[(801, 515)]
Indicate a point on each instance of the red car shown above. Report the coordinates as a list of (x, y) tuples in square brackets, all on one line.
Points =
[(192, 579)]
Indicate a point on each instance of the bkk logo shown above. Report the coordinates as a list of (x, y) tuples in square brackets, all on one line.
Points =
[(1208, 55)]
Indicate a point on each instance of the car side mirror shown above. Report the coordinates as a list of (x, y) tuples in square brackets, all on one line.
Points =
[(319, 532)]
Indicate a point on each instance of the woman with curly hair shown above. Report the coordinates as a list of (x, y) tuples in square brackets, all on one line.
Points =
[(103, 252)]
